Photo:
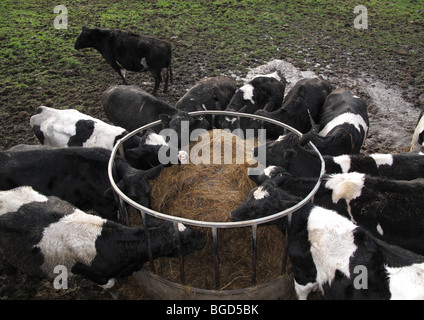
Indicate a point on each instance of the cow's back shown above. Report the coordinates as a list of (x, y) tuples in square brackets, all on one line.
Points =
[(342, 101), (77, 175), (208, 94), (131, 107)]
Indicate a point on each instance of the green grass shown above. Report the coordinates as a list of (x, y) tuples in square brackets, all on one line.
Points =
[(39, 61)]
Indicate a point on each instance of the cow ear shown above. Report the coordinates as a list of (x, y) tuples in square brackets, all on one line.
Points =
[(165, 118), (269, 106), (198, 120), (281, 178), (154, 172)]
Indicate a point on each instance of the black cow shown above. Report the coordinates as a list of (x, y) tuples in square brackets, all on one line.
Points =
[(417, 142), (343, 124), (69, 128), (129, 51), (262, 92), (301, 106), (77, 175), (39, 233), (131, 108), (208, 94), (329, 252)]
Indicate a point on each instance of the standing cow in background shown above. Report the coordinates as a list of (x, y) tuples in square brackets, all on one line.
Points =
[(129, 51)]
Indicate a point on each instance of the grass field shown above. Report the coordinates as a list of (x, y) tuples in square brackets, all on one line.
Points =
[(39, 62)]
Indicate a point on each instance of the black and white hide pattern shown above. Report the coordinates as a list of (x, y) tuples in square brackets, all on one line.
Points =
[(72, 128), (300, 110), (389, 209), (130, 51), (417, 142), (77, 175), (343, 125), (38, 233), (288, 153), (262, 92), (330, 252), (69, 128)]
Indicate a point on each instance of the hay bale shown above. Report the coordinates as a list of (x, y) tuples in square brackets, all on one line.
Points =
[(209, 192)]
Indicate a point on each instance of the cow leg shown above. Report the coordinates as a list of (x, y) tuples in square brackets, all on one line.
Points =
[(165, 88), (158, 78), (119, 69)]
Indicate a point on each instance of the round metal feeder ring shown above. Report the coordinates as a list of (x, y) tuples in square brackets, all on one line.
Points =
[(177, 291)]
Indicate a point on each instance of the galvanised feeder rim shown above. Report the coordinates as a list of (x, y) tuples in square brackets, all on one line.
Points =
[(209, 224)]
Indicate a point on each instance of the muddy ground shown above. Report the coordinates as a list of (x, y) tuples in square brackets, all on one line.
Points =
[(394, 101)]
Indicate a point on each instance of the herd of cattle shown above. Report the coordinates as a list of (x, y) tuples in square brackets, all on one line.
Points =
[(57, 206)]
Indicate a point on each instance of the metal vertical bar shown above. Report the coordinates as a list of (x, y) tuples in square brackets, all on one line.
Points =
[(254, 253), (124, 213), (121, 151), (180, 252), (149, 247), (285, 251), (213, 121), (216, 257)]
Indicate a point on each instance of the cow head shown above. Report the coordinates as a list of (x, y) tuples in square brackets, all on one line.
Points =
[(264, 200), (135, 184), (288, 153), (178, 123), (85, 39), (148, 149), (231, 122), (191, 240)]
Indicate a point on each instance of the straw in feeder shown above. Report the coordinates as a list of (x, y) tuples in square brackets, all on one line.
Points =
[(209, 192)]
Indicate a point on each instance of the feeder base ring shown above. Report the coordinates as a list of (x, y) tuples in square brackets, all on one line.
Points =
[(280, 288)]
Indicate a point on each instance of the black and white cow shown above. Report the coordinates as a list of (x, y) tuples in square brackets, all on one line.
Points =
[(301, 106), (129, 51), (343, 124), (389, 209), (39, 233), (131, 108), (69, 128), (288, 153), (77, 175), (262, 92), (417, 142), (329, 252), (397, 166)]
